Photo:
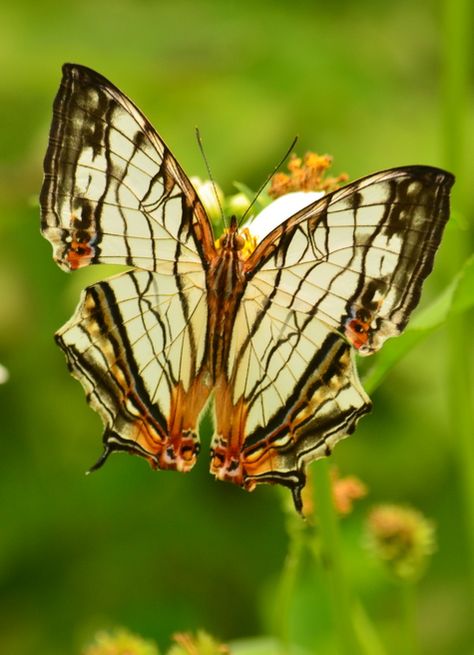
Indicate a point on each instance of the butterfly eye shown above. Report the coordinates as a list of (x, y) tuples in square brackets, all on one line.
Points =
[(221, 242), (239, 242)]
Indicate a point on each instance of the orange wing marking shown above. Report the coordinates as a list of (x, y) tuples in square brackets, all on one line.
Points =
[(226, 446), (79, 254), (181, 447), (80, 250)]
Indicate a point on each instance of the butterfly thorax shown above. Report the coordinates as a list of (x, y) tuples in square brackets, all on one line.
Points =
[(226, 283)]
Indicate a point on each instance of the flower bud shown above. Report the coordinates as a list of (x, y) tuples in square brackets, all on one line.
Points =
[(402, 538)]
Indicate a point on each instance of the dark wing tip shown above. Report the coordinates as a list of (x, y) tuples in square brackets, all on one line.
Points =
[(80, 72)]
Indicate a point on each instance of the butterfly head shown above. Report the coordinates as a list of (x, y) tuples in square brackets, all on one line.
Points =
[(234, 240)]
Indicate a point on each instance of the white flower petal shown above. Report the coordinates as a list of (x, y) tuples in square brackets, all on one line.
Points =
[(210, 195), (4, 375), (279, 210)]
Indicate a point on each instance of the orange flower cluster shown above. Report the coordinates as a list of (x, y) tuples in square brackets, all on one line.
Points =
[(345, 491), (307, 174)]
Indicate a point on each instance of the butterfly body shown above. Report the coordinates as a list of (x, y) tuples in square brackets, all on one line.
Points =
[(262, 329)]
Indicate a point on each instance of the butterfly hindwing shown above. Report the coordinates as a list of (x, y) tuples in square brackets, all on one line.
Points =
[(293, 392), (136, 349)]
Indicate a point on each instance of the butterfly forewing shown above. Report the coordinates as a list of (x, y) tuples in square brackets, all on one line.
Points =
[(357, 258), (113, 193)]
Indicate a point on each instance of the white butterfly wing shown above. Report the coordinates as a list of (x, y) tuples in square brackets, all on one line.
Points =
[(358, 257), (112, 192)]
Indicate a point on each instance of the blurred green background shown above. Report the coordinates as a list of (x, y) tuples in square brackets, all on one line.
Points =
[(160, 552)]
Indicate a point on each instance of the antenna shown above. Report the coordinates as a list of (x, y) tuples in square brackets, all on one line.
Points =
[(293, 143), (208, 168)]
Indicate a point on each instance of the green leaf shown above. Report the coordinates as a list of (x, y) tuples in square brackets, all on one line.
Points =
[(463, 296)]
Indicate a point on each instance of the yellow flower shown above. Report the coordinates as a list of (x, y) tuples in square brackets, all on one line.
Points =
[(120, 642), (345, 491)]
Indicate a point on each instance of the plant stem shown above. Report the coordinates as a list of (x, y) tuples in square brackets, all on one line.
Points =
[(408, 611), (332, 561), (366, 633), (457, 16), (295, 529)]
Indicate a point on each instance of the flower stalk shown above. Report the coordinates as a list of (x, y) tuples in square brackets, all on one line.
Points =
[(332, 561), (296, 530), (408, 610)]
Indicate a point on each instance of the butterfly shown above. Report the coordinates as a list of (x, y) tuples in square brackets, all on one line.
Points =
[(267, 334)]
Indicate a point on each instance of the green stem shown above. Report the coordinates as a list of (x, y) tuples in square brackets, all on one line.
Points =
[(295, 530), (367, 635), (408, 612), (457, 17), (332, 561)]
